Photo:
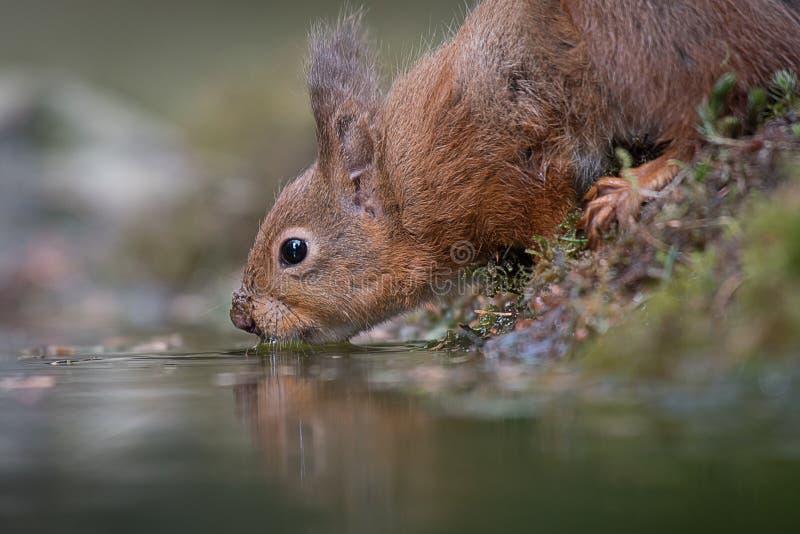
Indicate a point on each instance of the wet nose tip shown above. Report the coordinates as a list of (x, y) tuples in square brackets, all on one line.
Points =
[(241, 319), (243, 322)]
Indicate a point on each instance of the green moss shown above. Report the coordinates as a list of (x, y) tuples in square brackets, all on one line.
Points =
[(736, 301), (671, 324), (768, 311), (505, 285), (784, 92)]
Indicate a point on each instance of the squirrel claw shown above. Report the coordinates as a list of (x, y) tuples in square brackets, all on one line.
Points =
[(610, 200), (613, 199), (605, 186)]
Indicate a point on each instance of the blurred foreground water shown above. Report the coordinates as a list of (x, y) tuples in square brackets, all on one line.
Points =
[(387, 440)]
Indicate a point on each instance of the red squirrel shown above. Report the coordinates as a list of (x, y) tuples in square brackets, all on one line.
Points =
[(489, 140)]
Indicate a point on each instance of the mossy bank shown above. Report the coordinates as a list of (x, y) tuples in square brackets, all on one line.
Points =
[(707, 280)]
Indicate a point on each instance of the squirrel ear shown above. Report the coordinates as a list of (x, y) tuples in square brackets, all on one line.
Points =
[(357, 150), (345, 92), (354, 135)]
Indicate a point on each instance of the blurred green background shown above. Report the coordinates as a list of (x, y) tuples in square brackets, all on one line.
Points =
[(140, 144)]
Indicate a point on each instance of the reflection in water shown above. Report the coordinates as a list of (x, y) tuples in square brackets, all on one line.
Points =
[(308, 429), (410, 458), (339, 444)]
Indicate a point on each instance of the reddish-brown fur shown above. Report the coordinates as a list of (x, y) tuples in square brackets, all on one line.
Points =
[(490, 140)]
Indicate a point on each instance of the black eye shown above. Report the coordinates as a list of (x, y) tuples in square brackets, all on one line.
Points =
[(294, 251)]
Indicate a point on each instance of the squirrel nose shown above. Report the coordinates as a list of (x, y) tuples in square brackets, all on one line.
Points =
[(243, 321), (240, 315)]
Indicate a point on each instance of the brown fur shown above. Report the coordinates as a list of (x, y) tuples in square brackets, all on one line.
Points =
[(490, 139)]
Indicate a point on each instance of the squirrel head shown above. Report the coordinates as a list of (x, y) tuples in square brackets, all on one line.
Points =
[(329, 259)]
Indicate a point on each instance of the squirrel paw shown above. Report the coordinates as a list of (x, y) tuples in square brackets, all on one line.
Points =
[(610, 200), (613, 199)]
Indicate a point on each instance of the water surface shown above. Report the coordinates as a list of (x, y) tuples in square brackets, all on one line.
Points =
[(387, 440)]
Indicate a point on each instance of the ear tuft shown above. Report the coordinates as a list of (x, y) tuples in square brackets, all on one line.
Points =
[(345, 89)]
